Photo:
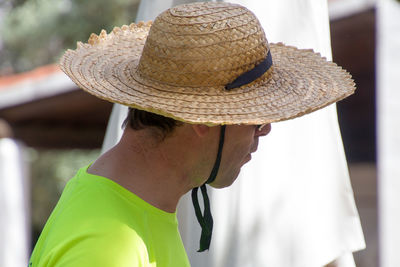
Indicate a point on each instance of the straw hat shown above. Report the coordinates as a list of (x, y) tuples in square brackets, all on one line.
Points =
[(180, 65)]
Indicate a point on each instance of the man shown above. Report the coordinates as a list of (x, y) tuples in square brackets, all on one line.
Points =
[(203, 85)]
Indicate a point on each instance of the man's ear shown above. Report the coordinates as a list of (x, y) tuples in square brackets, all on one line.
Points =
[(201, 129)]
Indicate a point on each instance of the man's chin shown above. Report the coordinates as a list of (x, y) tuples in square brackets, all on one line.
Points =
[(247, 159), (218, 185)]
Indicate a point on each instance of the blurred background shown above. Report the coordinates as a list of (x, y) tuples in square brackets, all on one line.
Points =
[(56, 128)]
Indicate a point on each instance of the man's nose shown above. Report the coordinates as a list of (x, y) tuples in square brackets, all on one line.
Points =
[(263, 130)]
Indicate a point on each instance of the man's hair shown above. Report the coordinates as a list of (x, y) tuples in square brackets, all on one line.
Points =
[(140, 119)]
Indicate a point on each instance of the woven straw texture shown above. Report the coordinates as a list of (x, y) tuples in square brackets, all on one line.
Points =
[(179, 65)]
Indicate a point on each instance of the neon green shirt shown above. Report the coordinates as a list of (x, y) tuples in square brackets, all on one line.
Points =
[(99, 223)]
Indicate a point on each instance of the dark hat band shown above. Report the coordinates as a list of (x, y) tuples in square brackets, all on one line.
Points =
[(252, 74)]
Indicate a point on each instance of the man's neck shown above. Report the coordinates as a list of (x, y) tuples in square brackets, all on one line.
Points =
[(148, 169)]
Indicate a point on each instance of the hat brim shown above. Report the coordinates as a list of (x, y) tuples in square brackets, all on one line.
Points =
[(299, 82)]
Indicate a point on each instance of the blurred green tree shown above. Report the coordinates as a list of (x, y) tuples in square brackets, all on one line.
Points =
[(36, 32)]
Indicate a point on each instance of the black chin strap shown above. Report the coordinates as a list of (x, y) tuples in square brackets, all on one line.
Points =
[(205, 220)]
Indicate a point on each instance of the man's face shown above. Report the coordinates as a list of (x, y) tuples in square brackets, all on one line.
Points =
[(240, 142)]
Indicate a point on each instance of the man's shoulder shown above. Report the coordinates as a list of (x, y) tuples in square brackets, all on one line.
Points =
[(88, 195), (95, 210), (91, 220), (112, 249), (105, 243)]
